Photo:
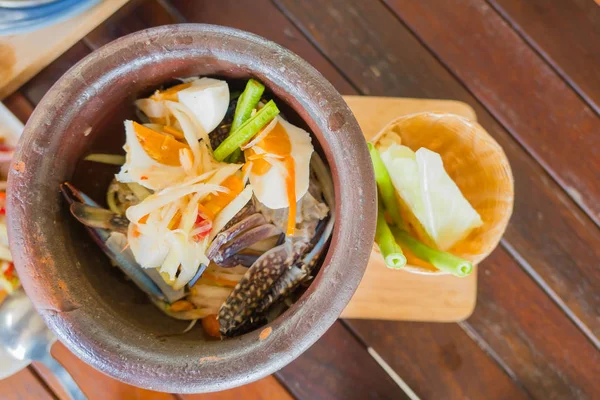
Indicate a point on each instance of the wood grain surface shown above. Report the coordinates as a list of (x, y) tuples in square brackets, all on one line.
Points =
[(528, 70), (532, 101), (566, 34), (438, 361), (336, 368), (24, 385), (152, 13), (547, 354)]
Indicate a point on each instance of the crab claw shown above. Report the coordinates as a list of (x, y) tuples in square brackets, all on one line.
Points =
[(96, 217), (246, 258), (246, 296), (295, 275), (73, 195), (114, 245)]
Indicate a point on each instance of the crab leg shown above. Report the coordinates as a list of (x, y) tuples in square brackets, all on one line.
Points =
[(73, 195), (226, 235), (244, 213), (113, 246), (291, 278), (96, 217), (245, 240), (245, 258)]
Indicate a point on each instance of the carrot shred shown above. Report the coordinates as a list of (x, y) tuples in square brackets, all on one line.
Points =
[(210, 323)]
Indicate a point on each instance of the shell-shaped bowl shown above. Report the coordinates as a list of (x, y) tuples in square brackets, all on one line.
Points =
[(478, 165)]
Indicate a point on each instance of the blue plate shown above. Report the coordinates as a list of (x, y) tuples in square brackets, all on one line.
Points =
[(24, 3), (19, 20)]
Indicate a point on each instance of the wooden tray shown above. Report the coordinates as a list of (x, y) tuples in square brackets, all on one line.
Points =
[(24, 55), (399, 295)]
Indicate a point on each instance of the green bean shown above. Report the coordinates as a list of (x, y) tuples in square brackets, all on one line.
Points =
[(246, 103), (387, 192), (391, 252), (245, 132), (243, 110), (440, 259), (111, 159)]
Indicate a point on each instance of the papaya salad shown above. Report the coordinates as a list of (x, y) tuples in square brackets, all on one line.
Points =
[(221, 208)]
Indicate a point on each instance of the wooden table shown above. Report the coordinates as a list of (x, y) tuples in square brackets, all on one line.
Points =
[(531, 71)]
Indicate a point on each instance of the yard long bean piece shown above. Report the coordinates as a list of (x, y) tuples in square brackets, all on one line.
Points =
[(391, 252), (245, 132), (440, 259), (387, 192), (246, 103)]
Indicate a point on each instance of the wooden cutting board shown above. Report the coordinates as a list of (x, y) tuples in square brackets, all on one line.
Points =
[(24, 55), (399, 295)]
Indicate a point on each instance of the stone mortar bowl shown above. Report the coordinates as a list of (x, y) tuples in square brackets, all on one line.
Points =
[(103, 318)]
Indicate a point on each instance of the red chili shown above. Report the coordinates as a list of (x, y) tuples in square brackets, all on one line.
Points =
[(2, 203), (205, 225), (9, 271)]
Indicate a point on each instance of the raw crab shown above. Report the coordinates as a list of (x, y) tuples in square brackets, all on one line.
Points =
[(277, 271), (277, 263)]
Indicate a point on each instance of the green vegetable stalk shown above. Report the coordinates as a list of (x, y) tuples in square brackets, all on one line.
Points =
[(111, 159), (247, 102), (245, 132), (392, 253), (388, 238), (387, 192), (440, 259)]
